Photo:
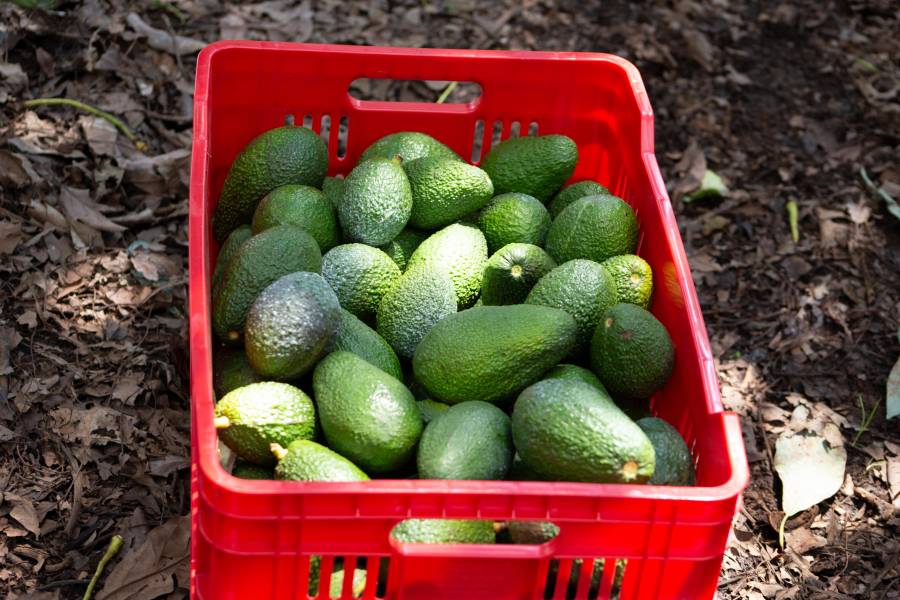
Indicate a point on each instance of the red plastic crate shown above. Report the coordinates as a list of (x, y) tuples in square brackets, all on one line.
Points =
[(253, 539)]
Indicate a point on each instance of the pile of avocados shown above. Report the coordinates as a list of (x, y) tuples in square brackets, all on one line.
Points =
[(428, 318)]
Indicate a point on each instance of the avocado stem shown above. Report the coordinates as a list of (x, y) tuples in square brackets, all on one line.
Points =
[(397, 159), (278, 450), (221, 422)]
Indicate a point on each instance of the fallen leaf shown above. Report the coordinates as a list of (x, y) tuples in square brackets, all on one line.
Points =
[(78, 206), (101, 135), (802, 540), (148, 571), (24, 513), (893, 391), (16, 170), (711, 186), (810, 470), (10, 236), (859, 213), (893, 476)]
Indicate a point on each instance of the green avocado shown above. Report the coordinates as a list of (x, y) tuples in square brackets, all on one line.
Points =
[(420, 298), (251, 418), (594, 228), (580, 287), (376, 202), (674, 463), (366, 415), (408, 145), (460, 251), (573, 192), (491, 353), (514, 218), (291, 325), (533, 165), (360, 275), (277, 157), (305, 460), (631, 352), (511, 273), (302, 206), (470, 440), (444, 190), (571, 431)]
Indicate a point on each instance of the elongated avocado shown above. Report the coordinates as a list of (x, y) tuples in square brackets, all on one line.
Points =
[(572, 431), (491, 353)]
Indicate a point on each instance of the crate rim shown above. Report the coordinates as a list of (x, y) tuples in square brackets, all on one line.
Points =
[(201, 342)]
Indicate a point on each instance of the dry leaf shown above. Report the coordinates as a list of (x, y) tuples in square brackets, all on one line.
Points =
[(78, 207), (24, 513), (810, 470), (10, 236), (159, 566), (101, 135), (893, 391), (163, 40)]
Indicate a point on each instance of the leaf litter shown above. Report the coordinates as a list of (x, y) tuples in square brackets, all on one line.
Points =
[(93, 388)]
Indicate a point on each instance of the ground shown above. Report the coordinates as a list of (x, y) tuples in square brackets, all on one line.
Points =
[(790, 102)]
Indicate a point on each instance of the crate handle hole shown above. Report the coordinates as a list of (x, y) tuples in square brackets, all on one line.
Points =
[(366, 89)]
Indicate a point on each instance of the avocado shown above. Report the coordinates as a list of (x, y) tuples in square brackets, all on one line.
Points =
[(574, 373), (533, 165), (514, 218), (302, 206), (231, 370), (366, 415), (491, 353), (408, 145), (245, 470), (291, 325), (593, 227), (580, 287), (251, 418), (376, 202), (430, 409), (633, 278), (445, 189), (511, 273), (279, 156), (257, 263), (571, 431), (419, 299), (631, 352), (228, 250), (333, 188), (674, 463), (532, 532), (305, 460), (360, 275), (471, 440), (460, 251), (573, 192), (355, 336), (444, 531), (402, 247)]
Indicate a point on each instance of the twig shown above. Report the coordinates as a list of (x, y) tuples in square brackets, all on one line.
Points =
[(446, 93), (792, 220), (115, 544), (115, 121)]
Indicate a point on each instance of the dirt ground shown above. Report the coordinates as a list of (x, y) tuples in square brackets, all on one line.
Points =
[(787, 101)]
